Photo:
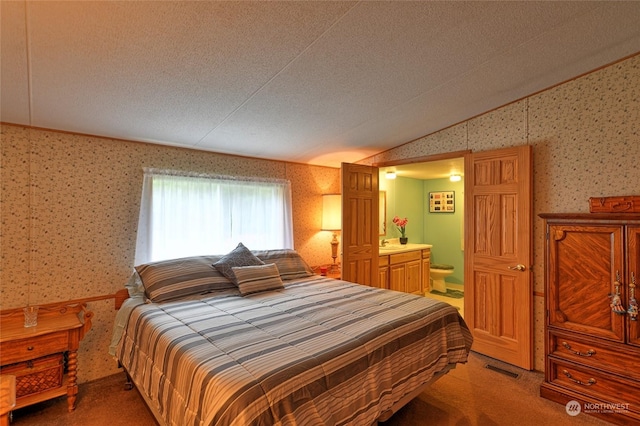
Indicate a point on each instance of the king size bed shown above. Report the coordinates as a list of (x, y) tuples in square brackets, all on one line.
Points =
[(277, 345)]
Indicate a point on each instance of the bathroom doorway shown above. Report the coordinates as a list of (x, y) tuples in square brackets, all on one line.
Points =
[(430, 194), (498, 291)]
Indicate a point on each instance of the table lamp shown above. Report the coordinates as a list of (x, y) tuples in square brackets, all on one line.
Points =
[(332, 220)]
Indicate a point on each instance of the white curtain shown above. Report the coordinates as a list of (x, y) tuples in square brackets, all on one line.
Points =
[(187, 215)]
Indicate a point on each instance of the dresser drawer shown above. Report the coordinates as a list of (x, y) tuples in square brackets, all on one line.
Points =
[(575, 349), (33, 347), (595, 384)]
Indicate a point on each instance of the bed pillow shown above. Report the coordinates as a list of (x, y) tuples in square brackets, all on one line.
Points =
[(254, 279), (175, 278), (290, 264), (239, 256)]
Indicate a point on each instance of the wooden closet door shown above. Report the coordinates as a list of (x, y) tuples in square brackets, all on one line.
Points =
[(633, 272), (584, 263)]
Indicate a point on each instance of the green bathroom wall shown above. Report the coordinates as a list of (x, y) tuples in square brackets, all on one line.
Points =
[(407, 197), (445, 230), (403, 200)]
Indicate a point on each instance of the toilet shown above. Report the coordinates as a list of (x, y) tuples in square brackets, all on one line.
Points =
[(438, 272)]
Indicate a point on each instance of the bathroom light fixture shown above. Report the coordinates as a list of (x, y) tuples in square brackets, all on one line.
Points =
[(455, 178), (391, 175), (332, 220)]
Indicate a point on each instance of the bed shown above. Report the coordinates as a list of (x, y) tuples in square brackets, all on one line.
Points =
[(273, 344)]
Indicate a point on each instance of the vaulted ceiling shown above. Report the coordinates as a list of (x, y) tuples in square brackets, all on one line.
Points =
[(313, 82)]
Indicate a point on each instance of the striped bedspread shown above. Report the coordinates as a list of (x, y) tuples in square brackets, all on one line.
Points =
[(318, 352)]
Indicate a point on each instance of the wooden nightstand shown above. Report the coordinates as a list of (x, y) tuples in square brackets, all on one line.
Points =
[(332, 272), (43, 358)]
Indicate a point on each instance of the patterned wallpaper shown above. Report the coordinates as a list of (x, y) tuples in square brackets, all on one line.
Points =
[(70, 211), (70, 202), (586, 143)]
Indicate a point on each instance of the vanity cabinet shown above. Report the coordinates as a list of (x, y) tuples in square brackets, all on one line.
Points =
[(405, 271), (383, 268), (592, 335), (426, 271)]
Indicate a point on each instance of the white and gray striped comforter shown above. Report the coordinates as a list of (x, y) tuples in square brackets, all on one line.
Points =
[(319, 352)]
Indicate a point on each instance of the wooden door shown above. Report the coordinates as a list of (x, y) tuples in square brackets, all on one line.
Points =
[(584, 261), (498, 254), (633, 276), (360, 224)]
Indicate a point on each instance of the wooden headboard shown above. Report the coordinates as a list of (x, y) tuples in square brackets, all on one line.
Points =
[(120, 297)]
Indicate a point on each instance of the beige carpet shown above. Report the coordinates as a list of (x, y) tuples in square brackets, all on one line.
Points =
[(469, 395), (475, 395)]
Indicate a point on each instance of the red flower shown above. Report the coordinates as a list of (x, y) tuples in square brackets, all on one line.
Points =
[(401, 224)]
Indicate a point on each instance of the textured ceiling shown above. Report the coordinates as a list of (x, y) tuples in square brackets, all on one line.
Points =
[(312, 82)]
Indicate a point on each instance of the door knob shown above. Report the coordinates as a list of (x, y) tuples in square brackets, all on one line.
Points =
[(519, 267)]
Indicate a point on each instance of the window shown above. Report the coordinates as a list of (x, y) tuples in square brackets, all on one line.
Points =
[(187, 215)]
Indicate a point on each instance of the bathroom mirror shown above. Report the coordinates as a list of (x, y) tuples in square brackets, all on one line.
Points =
[(382, 214)]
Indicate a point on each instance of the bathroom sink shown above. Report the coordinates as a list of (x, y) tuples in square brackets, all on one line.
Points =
[(391, 247)]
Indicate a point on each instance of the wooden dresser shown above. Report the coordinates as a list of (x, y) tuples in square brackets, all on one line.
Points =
[(43, 358), (592, 332)]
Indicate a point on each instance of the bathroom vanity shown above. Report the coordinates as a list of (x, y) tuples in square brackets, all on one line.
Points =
[(405, 267)]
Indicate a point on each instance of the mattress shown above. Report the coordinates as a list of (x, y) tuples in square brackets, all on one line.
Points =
[(320, 351)]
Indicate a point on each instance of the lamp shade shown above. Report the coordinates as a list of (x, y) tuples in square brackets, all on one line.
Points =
[(331, 212)]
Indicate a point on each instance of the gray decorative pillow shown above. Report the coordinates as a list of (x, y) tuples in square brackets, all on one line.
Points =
[(290, 264), (176, 278), (239, 256), (254, 279)]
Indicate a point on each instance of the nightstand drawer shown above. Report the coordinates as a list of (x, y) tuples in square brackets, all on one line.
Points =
[(38, 375), (33, 347)]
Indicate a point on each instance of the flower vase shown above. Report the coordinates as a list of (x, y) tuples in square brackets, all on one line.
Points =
[(404, 240)]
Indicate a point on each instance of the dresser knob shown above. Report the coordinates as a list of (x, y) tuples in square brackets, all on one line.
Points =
[(29, 348)]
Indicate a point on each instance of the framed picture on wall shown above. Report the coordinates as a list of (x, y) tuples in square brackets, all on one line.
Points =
[(442, 202)]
